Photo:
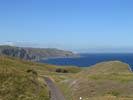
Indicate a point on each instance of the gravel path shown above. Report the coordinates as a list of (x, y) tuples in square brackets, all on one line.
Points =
[(55, 91)]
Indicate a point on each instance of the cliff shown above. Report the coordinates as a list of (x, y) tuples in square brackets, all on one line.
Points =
[(35, 53)]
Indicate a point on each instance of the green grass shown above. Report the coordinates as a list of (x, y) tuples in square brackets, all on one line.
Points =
[(123, 78), (21, 87), (104, 81), (18, 84), (114, 93), (110, 67)]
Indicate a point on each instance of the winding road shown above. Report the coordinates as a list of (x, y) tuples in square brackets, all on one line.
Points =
[(55, 91)]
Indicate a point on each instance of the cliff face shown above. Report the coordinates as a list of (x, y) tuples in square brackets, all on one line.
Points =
[(35, 53)]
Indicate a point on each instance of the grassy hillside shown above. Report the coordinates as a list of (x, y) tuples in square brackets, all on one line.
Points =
[(108, 68), (104, 81), (17, 84), (22, 80)]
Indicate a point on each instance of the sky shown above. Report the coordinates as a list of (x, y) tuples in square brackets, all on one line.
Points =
[(76, 25)]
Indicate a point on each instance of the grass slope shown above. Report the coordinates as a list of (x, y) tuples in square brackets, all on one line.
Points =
[(103, 81), (17, 84), (108, 68), (21, 80)]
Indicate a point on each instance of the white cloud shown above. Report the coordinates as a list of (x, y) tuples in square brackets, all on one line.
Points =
[(8, 43)]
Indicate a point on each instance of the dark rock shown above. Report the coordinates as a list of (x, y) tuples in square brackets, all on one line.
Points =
[(35, 53), (59, 70)]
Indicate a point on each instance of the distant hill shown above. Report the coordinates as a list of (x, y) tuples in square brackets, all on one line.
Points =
[(108, 68), (35, 53)]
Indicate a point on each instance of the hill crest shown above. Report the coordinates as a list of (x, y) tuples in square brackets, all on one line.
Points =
[(108, 68)]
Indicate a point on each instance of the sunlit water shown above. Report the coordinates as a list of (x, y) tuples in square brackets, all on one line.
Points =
[(87, 60)]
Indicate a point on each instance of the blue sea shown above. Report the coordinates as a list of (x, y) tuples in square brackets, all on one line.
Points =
[(87, 60)]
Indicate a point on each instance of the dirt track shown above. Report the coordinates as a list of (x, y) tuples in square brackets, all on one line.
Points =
[(55, 91)]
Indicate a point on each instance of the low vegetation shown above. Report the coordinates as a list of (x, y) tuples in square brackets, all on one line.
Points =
[(17, 84), (23, 80), (103, 81)]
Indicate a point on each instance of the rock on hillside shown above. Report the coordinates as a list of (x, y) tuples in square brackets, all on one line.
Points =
[(35, 53)]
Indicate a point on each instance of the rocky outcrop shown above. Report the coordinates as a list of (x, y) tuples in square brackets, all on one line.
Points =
[(35, 53)]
